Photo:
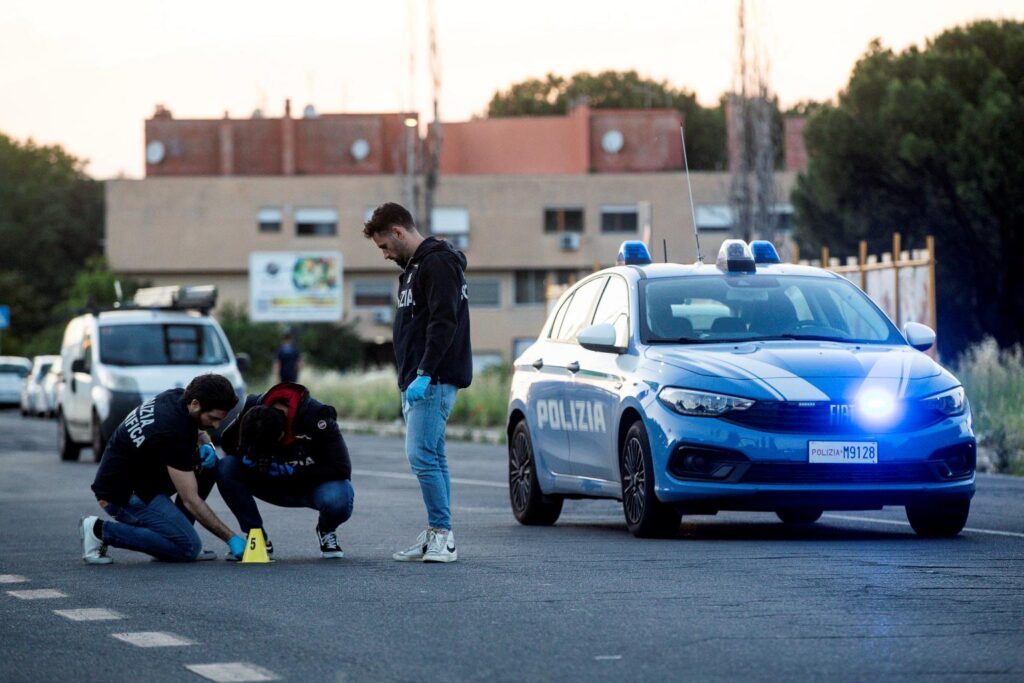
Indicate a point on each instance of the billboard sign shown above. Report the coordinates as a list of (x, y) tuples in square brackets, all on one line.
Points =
[(295, 286)]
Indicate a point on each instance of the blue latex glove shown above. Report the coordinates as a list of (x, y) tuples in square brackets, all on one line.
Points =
[(207, 456), (236, 545), (247, 462), (281, 470), (417, 391)]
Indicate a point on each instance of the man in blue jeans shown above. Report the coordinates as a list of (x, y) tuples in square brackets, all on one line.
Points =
[(152, 455), (434, 360), (286, 448)]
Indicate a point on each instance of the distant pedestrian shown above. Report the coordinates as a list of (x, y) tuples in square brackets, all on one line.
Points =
[(153, 454), (434, 360), (288, 360)]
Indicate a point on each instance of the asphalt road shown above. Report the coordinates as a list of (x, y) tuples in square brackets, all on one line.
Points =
[(734, 597)]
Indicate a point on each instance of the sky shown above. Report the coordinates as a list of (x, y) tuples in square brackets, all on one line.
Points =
[(87, 75)]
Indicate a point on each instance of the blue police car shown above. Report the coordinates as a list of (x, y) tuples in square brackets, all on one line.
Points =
[(744, 385)]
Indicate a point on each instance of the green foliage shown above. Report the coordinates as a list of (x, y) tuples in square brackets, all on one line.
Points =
[(259, 340), (337, 347), (930, 142), (51, 223), (554, 95), (96, 285), (994, 381), (485, 402)]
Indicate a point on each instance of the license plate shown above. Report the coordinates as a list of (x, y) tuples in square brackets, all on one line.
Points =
[(843, 452)]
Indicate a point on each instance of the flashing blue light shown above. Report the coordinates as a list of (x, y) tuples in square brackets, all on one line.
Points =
[(633, 253), (764, 252), (876, 405)]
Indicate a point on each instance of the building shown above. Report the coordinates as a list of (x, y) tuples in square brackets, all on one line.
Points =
[(532, 201)]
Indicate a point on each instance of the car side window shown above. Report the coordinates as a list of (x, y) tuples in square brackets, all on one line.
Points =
[(557, 323), (87, 354), (578, 314), (613, 309)]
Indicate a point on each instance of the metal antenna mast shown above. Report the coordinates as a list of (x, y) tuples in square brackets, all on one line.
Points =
[(693, 211)]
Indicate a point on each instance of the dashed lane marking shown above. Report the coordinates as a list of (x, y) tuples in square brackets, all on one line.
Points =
[(608, 658), (12, 578), (232, 672), (896, 522), (89, 614), (412, 477), (152, 639), (38, 594)]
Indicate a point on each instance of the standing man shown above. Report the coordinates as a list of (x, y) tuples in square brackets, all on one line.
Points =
[(434, 360), (152, 455), (286, 448), (288, 360)]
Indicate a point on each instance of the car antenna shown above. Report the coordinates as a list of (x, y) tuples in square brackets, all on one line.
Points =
[(686, 165), (664, 249)]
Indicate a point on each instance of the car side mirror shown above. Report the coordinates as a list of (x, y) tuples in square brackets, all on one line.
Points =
[(921, 337), (78, 365), (243, 361), (599, 338)]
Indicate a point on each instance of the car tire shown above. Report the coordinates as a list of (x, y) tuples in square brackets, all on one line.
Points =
[(939, 520), (68, 449), (798, 515), (646, 516), (529, 504), (98, 443)]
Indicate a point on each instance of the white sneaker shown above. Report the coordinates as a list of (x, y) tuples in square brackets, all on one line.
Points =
[(414, 553), (206, 554), (441, 547), (94, 550)]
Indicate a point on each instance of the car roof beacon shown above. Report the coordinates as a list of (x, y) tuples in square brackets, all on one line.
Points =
[(689, 190), (633, 253), (735, 257), (764, 252)]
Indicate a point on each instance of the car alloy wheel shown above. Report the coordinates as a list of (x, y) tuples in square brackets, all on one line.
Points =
[(633, 481), (529, 504), (646, 516)]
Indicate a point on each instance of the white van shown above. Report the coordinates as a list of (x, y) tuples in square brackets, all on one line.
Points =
[(115, 359)]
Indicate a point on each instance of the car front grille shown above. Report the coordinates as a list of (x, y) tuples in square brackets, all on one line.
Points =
[(793, 417), (803, 473)]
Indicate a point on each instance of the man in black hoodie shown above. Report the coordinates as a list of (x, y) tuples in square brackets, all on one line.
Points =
[(285, 448), (434, 360)]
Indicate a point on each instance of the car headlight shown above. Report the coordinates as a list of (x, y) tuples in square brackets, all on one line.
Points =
[(701, 403), (952, 402)]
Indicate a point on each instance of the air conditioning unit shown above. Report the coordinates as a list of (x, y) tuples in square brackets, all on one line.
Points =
[(569, 241), (383, 316)]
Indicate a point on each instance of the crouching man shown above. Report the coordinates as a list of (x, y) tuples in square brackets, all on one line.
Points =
[(153, 454), (286, 449)]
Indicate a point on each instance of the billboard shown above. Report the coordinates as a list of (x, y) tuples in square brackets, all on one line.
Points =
[(295, 286)]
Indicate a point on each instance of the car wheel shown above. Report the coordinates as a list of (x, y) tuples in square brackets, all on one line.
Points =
[(798, 515), (646, 516), (937, 520), (99, 444), (529, 504), (68, 449)]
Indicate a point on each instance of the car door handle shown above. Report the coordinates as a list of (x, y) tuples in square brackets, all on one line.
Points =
[(573, 367), (539, 363)]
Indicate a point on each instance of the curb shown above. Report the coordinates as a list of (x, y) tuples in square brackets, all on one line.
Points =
[(486, 435)]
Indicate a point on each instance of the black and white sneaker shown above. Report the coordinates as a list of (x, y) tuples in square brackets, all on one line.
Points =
[(270, 550), (94, 550), (441, 547), (329, 548)]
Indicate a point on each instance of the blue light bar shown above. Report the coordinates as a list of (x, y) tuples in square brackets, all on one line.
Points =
[(633, 253), (764, 252)]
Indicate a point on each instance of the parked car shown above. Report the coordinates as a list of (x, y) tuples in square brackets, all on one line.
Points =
[(51, 386), (13, 371), (33, 402), (798, 396), (116, 359)]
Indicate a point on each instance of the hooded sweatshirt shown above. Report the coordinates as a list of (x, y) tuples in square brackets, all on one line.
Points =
[(431, 331)]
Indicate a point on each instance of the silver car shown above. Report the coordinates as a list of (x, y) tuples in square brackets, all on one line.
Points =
[(33, 396), (13, 370)]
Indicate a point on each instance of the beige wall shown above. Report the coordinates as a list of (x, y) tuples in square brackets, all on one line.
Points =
[(201, 230)]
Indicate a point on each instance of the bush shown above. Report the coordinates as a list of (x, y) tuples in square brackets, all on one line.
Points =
[(259, 340), (994, 381)]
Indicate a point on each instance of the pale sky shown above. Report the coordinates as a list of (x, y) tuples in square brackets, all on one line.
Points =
[(87, 75)]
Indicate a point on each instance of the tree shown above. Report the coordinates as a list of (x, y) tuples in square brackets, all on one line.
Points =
[(554, 95), (51, 223), (930, 142)]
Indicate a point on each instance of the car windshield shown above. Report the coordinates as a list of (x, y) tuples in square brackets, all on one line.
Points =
[(712, 309), (157, 344), (13, 369)]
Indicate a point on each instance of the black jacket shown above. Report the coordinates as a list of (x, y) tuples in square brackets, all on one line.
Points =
[(431, 330), (314, 444)]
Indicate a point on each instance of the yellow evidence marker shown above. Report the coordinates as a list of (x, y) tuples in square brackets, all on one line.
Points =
[(256, 548)]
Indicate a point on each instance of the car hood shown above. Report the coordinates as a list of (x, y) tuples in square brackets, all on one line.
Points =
[(805, 371), (148, 381)]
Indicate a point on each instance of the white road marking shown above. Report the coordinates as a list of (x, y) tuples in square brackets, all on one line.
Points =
[(152, 639), (896, 522), (412, 477), (232, 672), (12, 578), (38, 594), (89, 614), (608, 658)]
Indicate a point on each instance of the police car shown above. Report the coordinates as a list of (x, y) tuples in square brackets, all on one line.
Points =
[(744, 385)]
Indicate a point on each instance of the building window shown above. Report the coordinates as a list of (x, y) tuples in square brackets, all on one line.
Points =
[(316, 222), (484, 292), (714, 217), (520, 344), (451, 223), (530, 287), (486, 359), (563, 220), (372, 294), (269, 219), (619, 218)]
